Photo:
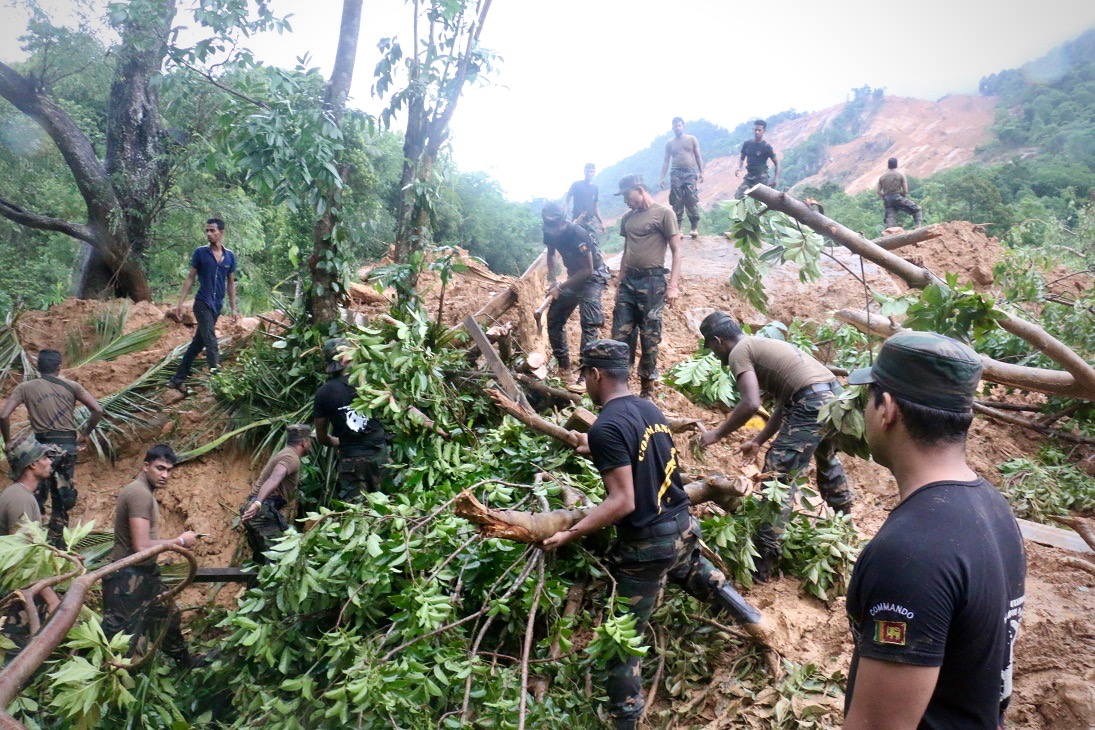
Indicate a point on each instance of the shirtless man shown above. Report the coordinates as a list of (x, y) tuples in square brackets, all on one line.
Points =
[(684, 152)]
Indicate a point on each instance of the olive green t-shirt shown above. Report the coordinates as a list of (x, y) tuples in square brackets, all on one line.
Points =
[(135, 500), (288, 487), (682, 152), (646, 236), (781, 368), (16, 505), (892, 181), (50, 406)]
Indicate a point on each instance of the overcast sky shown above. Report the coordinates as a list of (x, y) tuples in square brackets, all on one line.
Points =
[(595, 80)]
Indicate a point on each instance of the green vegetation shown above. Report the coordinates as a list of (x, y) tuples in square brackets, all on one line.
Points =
[(1048, 485)]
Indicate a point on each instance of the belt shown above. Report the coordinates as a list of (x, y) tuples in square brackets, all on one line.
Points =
[(643, 273), (801, 393), (55, 437), (673, 526)]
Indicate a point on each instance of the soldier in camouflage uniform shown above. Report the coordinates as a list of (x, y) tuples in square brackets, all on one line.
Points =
[(682, 151), (657, 539), (584, 285), (30, 463), (361, 441), (800, 386), (648, 229), (131, 596), (755, 154), (51, 404), (273, 491)]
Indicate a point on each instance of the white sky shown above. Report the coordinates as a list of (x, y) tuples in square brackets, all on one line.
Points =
[(596, 80)]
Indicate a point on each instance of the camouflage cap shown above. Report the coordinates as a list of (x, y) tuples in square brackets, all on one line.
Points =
[(23, 453), (925, 368), (606, 354), (331, 350), (630, 181)]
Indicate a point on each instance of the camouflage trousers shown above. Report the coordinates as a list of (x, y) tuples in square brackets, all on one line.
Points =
[(641, 568), (130, 606), (263, 530), (640, 301), (683, 195), (799, 439), (896, 202), (17, 627), (750, 179), (59, 488), (587, 301), (358, 475)]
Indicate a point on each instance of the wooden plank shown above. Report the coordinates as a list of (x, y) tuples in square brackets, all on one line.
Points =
[(1053, 536), (226, 575), (494, 361)]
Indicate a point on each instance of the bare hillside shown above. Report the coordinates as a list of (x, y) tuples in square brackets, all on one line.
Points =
[(927, 136)]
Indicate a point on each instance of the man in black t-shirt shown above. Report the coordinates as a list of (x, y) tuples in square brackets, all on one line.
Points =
[(585, 196), (936, 598), (755, 154), (361, 441), (585, 284), (657, 537)]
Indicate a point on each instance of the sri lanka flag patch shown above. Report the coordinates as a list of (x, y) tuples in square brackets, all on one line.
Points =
[(889, 632)]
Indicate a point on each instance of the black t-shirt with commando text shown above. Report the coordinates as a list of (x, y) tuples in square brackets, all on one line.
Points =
[(632, 432), (942, 585)]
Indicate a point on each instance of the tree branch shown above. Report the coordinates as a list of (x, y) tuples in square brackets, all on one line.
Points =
[(24, 217), (1079, 374), (1053, 382)]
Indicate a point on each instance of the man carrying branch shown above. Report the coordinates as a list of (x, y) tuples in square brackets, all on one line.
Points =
[(801, 386), (657, 537)]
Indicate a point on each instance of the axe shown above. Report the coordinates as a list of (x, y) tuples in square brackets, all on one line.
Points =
[(538, 315)]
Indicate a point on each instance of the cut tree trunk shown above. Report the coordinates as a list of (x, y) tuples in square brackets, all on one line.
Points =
[(1079, 376), (908, 238)]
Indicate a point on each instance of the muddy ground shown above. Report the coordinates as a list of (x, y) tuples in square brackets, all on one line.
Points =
[(1055, 653)]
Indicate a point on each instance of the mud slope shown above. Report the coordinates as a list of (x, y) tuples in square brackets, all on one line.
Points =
[(926, 136)]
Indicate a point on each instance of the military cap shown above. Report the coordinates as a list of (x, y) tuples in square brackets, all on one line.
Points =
[(630, 181), (925, 368), (606, 354), (331, 350), (553, 214), (23, 453)]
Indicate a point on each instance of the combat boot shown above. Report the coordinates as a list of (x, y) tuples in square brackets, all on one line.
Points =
[(647, 389), (731, 602)]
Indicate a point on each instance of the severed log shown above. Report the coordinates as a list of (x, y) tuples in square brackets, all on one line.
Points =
[(535, 527), (1084, 528), (1078, 376), (678, 425), (1053, 382), (907, 238)]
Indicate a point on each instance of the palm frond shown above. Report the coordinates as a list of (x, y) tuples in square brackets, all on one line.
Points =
[(12, 354), (110, 340)]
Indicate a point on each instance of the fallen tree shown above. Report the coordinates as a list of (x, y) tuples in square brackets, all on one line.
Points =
[(1076, 380)]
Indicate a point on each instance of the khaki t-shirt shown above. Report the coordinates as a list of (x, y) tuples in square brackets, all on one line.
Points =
[(781, 368), (892, 181), (135, 500), (646, 236), (682, 151), (50, 406), (288, 487), (16, 505)]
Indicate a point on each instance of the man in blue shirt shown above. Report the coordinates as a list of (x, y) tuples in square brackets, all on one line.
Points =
[(215, 268)]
